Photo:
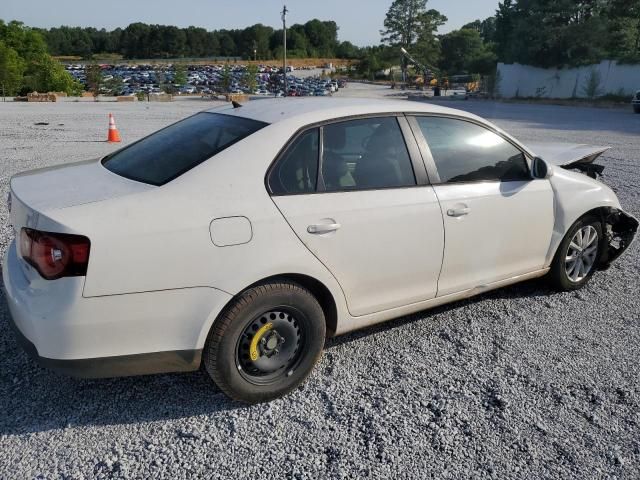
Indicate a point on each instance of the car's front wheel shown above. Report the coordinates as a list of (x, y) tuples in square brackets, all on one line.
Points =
[(266, 342), (577, 257)]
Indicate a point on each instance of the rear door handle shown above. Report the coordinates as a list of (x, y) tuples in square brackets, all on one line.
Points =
[(323, 228), (458, 212)]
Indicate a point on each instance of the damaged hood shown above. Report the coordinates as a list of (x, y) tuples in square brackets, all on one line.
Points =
[(567, 154)]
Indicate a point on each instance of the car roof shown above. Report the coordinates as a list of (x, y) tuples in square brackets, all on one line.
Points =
[(312, 110)]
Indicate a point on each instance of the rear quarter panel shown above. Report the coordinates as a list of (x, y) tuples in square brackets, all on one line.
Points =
[(160, 239)]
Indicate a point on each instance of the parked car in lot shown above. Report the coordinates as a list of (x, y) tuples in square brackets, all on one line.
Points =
[(240, 238), (635, 103)]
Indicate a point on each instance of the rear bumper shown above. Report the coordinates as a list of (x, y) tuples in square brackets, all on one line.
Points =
[(119, 366), (107, 336)]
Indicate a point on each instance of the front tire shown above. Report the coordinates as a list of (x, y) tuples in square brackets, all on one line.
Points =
[(266, 342), (578, 255)]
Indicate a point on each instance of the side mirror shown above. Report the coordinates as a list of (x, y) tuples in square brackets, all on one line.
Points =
[(540, 169)]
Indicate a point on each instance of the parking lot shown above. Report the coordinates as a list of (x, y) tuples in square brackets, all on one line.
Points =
[(132, 80), (521, 382)]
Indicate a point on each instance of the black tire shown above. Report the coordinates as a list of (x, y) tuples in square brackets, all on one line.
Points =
[(636, 108), (558, 273), (234, 335)]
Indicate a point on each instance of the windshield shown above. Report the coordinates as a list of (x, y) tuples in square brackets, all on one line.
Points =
[(168, 153)]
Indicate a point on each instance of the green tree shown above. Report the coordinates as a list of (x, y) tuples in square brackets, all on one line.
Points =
[(463, 51), (409, 24), (566, 32), (486, 28), (407, 20), (347, 50), (369, 65), (427, 46), (11, 70), (95, 79), (113, 86), (40, 72), (47, 75), (180, 74), (322, 37), (249, 78), (225, 80)]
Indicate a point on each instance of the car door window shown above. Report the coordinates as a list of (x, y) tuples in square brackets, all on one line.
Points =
[(297, 169), (466, 152), (365, 154)]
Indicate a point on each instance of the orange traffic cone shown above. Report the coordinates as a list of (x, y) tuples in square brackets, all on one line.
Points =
[(114, 135)]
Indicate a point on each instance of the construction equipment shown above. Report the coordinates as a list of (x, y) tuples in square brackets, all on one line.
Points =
[(428, 72)]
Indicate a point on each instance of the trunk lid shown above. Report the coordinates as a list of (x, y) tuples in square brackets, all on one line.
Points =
[(41, 192), (67, 185)]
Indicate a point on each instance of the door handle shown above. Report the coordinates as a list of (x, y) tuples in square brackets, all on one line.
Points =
[(458, 212), (323, 228)]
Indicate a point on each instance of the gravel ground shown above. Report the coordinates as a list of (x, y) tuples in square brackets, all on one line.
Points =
[(518, 383)]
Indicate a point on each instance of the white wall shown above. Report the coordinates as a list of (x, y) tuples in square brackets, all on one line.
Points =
[(526, 81)]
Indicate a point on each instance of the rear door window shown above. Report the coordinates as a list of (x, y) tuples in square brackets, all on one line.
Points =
[(168, 153), (297, 169), (365, 154)]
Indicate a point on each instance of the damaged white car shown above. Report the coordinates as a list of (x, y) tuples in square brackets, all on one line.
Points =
[(240, 237)]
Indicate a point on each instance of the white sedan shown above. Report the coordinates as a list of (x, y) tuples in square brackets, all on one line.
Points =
[(242, 236)]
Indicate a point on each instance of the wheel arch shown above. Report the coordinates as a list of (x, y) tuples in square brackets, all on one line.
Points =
[(318, 289), (623, 228)]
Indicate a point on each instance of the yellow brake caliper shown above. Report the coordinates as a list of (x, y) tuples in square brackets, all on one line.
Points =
[(253, 348)]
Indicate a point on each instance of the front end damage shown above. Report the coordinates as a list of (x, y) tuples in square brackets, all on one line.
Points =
[(619, 231)]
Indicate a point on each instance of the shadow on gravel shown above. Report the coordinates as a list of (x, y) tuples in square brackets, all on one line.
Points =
[(529, 289), (34, 399)]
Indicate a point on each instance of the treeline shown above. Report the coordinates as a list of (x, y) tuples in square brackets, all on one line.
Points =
[(567, 32), (139, 40), (25, 65), (533, 32)]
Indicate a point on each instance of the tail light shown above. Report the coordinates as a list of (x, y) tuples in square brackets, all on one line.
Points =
[(55, 255)]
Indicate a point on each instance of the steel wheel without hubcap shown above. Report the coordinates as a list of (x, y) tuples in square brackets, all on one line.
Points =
[(266, 341), (581, 254), (271, 345)]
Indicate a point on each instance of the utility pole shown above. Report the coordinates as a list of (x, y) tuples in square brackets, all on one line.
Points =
[(284, 54)]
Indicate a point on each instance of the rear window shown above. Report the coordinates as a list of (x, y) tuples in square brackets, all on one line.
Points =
[(168, 153)]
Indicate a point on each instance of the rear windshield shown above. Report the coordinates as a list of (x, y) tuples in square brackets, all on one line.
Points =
[(168, 153)]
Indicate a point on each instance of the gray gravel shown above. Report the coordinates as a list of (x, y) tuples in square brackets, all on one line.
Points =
[(518, 383)]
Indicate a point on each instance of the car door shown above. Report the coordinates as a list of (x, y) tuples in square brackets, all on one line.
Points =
[(356, 194), (498, 220)]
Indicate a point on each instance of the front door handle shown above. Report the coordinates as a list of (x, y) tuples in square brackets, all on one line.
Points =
[(323, 228), (458, 212)]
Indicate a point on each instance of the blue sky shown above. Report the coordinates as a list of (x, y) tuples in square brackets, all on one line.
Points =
[(359, 20)]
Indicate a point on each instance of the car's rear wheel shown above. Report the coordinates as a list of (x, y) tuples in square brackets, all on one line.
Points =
[(636, 108), (266, 342), (577, 257)]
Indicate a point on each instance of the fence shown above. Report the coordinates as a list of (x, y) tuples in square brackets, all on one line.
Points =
[(607, 77)]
